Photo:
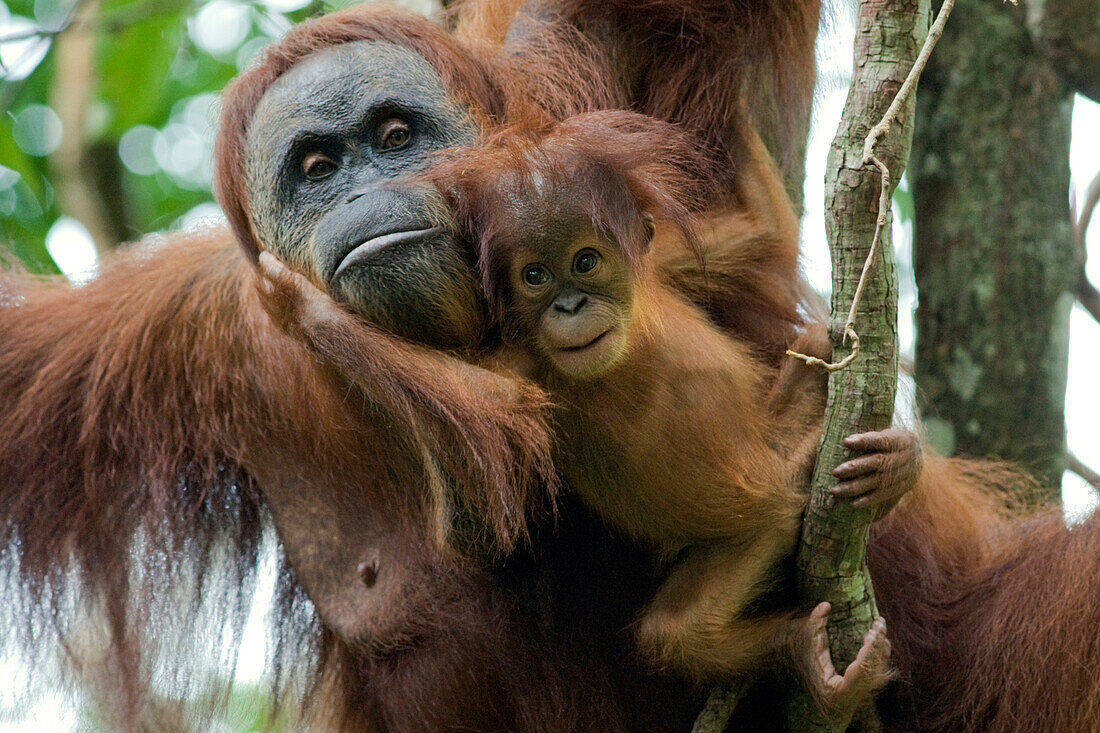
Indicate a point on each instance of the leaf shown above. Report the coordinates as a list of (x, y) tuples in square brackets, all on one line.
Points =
[(27, 215), (133, 69), (903, 200)]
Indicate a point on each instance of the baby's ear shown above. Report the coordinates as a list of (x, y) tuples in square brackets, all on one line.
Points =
[(650, 229)]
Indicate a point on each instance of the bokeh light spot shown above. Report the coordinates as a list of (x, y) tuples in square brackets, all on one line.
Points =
[(206, 214), (37, 130), (135, 148), (21, 56), (249, 49), (71, 247), (285, 6), (219, 27), (8, 177), (52, 14)]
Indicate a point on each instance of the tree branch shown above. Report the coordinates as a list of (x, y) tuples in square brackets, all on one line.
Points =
[(885, 188), (1067, 32), (719, 707), (1087, 294), (1075, 464), (1084, 217), (832, 556), (74, 78)]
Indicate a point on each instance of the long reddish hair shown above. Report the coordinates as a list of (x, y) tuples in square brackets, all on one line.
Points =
[(467, 75), (618, 165)]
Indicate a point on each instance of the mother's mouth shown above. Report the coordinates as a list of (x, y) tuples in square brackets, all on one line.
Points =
[(369, 247)]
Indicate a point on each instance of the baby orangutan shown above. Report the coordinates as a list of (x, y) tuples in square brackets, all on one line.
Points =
[(664, 425)]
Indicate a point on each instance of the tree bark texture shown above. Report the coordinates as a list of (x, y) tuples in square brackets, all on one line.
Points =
[(1067, 32), (993, 249), (831, 558)]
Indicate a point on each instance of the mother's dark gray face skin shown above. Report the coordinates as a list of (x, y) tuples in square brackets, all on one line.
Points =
[(327, 149)]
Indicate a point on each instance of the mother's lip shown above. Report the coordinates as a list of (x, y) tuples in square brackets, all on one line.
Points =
[(366, 249)]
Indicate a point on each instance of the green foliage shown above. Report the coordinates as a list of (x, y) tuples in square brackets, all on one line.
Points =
[(26, 204), (249, 709), (903, 200), (152, 72), (135, 61)]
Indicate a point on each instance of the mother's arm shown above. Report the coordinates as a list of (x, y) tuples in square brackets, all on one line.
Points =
[(158, 403)]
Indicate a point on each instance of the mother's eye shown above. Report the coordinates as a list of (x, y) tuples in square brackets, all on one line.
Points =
[(394, 134), (317, 166)]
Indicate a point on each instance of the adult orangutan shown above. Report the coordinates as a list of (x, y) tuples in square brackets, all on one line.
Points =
[(159, 405), (157, 411)]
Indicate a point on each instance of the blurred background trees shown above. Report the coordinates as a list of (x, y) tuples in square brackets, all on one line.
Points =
[(992, 220), (109, 111), (996, 265)]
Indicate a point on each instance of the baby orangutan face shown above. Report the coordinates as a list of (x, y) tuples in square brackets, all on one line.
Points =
[(574, 300)]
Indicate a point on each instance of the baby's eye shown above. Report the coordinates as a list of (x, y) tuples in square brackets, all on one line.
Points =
[(586, 261), (536, 275)]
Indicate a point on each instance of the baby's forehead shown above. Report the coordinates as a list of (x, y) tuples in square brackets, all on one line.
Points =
[(531, 198), (552, 244), (542, 222), (541, 203)]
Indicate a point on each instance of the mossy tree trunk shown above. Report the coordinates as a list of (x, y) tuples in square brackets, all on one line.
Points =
[(831, 559), (994, 255)]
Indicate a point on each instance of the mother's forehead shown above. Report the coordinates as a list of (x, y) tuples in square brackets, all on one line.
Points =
[(349, 71)]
